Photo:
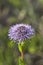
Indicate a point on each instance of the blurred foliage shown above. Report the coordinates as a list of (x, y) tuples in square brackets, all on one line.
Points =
[(21, 11), (15, 3)]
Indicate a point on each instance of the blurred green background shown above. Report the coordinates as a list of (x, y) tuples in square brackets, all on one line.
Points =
[(21, 11)]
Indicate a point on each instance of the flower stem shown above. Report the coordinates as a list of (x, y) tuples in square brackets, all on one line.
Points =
[(21, 58), (22, 55)]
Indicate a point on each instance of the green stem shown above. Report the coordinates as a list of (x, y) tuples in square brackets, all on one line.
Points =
[(22, 55), (21, 58)]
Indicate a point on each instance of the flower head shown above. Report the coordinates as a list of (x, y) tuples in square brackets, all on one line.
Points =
[(20, 32)]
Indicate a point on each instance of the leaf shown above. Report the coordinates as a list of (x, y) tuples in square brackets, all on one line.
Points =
[(11, 44), (20, 46), (21, 61)]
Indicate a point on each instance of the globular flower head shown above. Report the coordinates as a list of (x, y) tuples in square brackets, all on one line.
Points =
[(20, 32)]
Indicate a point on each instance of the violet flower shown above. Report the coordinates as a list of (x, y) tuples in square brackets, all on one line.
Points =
[(20, 32)]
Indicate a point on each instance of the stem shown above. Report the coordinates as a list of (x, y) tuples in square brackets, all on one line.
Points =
[(22, 55), (21, 58)]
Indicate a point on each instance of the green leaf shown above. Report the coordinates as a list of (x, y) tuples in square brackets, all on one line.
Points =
[(11, 44), (21, 61), (20, 46)]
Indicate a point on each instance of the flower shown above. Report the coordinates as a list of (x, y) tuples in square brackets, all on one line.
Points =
[(20, 32)]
